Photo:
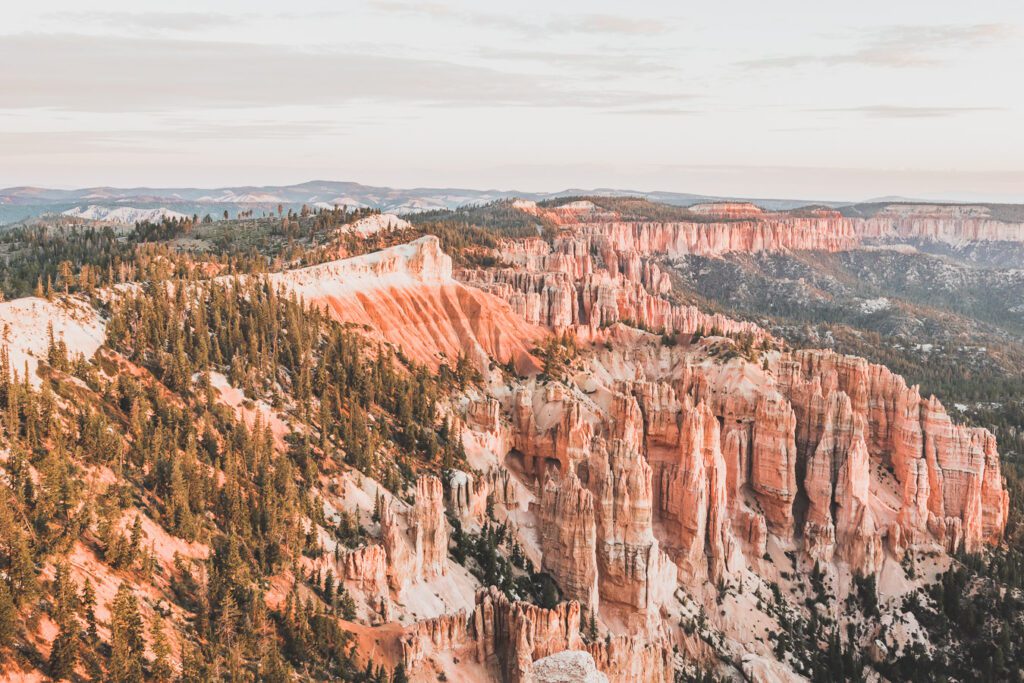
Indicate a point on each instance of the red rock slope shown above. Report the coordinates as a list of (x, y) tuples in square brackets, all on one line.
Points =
[(407, 295)]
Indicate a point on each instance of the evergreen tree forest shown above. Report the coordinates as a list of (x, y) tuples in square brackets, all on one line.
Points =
[(136, 439)]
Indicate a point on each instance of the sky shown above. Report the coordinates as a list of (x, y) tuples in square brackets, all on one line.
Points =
[(789, 98)]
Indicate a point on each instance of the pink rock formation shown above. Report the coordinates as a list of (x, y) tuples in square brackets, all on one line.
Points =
[(510, 636), (484, 415), (567, 442), (562, 289), (365, 568), (943, 223), (568, 538), (773, 473), (768, 232), (431, 636), (634, 659), (634, 572), (950, 485), (431, 529), (692, 498), (407, 295), (417, 542), (467, 496)]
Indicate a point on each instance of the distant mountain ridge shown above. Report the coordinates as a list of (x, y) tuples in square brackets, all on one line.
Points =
[(19, 203), (24, 202)]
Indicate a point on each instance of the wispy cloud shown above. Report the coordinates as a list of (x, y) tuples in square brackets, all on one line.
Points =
[(656, 111), (107, 74), (884, 111), (612, 24), (150, 21), (895, 47), (168, 136), (607, 62), (597, 24)]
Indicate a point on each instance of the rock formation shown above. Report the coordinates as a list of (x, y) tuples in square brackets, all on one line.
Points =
[(467, 496), (941, 469), (365, 568), (408, 296), (568, 538), (510, 636), (417, 542), (692, 498), (430, 636), (773, 465), (634, 572)]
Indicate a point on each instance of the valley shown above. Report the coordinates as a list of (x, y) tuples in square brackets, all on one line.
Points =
[(628, 440)]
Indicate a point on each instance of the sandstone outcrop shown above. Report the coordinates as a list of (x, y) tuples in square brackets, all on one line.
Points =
[(634, 659), (416, 542), (467, 496), (634, 572), (941, 223), (568, 538), (431, 636), (559, 287), (773, 464), (365, 568), (941, 469), (407, 295), (692, 498), (510, 636)]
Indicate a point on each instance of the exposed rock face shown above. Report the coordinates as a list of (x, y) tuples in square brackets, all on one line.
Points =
[(568, 538), (407, 295), (856, 531), (634, 659), (634, 571), (664, 462), (822, 469), (467, 496), (953, 224), (692, 500), (567, 442), (773, 475), (430, 636), (396, 545), (431, 529), (770, 232), (485, 415), (417, 546), (505, 489), (365, 568), (513, 639), (571, 666), (510, 636), (562, 289), (940, 469)]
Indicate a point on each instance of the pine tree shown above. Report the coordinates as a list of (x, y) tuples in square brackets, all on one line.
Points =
[(161, 668), (8, 615), (126, 638), (87, 605), (64, 653)]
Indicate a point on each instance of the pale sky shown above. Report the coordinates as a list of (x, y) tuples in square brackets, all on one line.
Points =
[(788, 98)]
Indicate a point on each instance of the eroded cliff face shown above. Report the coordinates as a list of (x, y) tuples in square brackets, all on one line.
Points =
[(658, 471), (560, 287), (845, 406), (942, 223), (406, 294), (716, 228), (416, 540)]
